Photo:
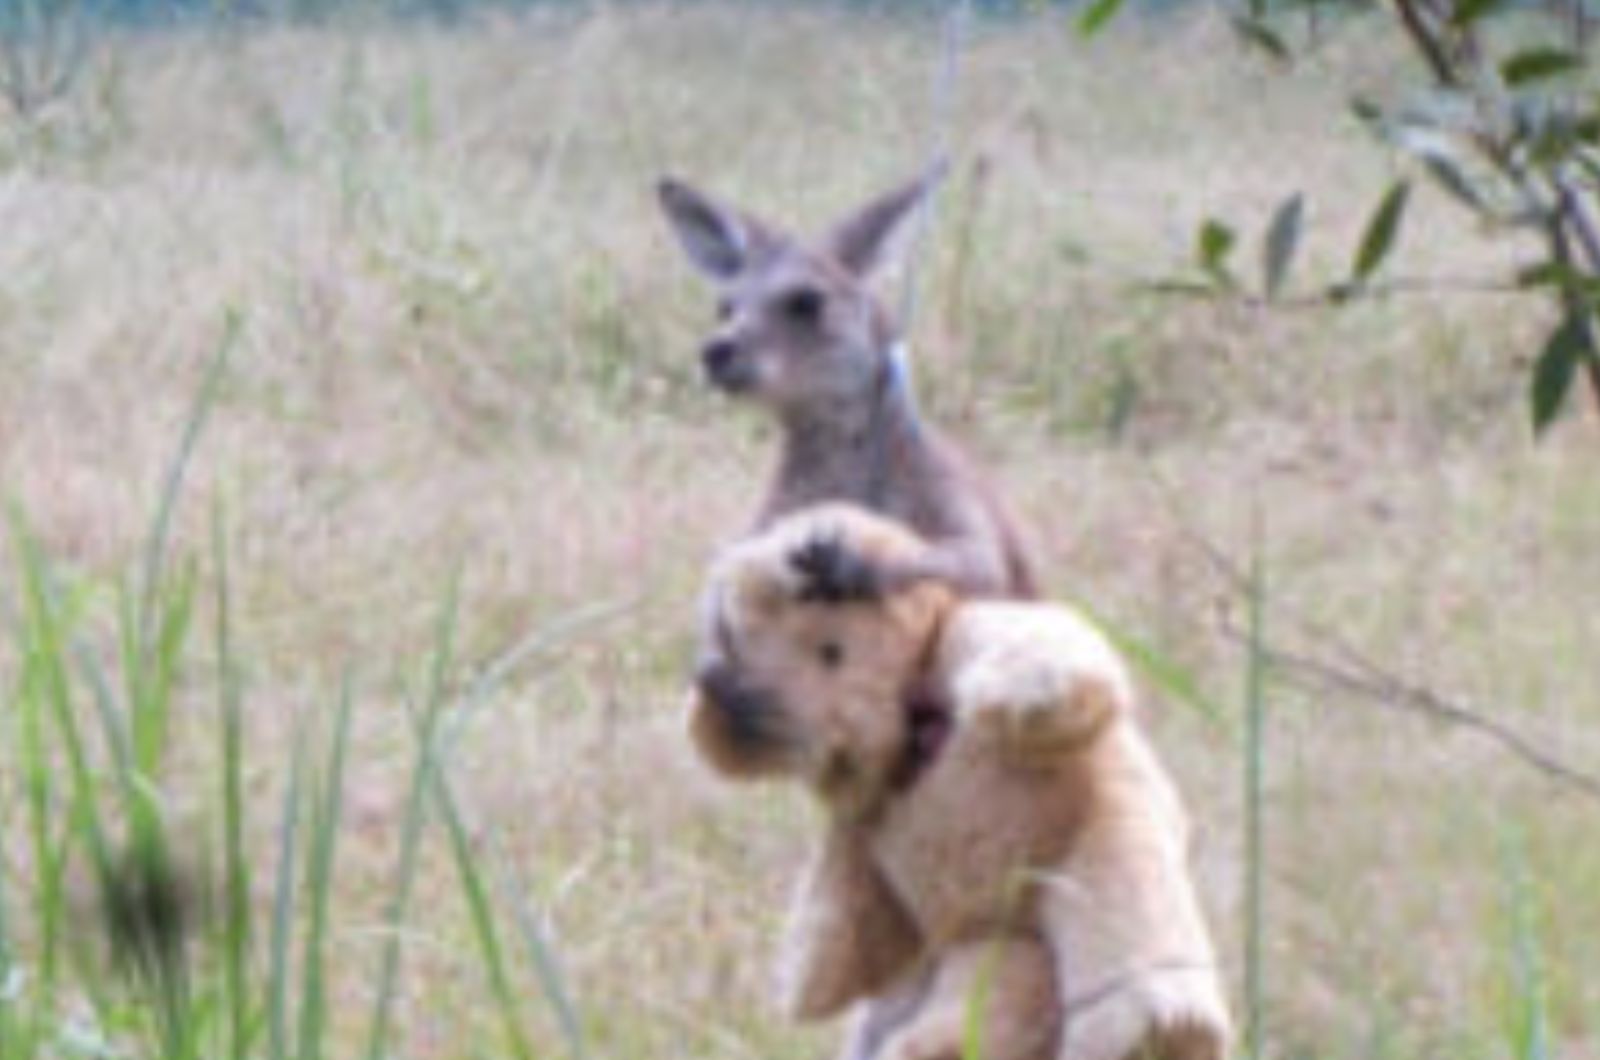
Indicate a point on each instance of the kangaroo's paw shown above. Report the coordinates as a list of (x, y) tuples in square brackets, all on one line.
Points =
[(832, 572)]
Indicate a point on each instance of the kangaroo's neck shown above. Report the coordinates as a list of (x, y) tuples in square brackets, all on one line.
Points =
[(851, 450)]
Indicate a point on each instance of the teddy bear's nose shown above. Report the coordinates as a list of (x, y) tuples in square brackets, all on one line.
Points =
[(719, 683), (750, 713)]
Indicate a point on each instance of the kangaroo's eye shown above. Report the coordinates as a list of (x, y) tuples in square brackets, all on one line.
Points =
[(803, 305), (830, 654)]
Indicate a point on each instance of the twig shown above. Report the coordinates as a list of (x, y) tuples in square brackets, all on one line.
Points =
[(1338, 295), (1423, 36), (1388, 690), (1361, 676)]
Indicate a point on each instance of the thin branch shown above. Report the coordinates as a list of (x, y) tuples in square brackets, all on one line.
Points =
[(1570, 209), (1386, 689), (1360, 676), (1423, 36), (1338, 295)]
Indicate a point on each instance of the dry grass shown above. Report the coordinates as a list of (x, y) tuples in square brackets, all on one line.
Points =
[(468, 349)]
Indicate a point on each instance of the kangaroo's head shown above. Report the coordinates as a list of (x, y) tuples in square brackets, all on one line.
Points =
[(798, 327)]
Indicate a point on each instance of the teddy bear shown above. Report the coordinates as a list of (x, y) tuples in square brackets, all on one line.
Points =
[(997, 825)]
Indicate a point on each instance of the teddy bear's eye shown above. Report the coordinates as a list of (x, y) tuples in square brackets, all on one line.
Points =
[(830, 653)]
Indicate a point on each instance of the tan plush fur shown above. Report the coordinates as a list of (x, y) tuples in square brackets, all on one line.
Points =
[(1044, 826)]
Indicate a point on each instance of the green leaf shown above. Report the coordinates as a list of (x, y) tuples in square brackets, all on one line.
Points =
[(1568, 279), (1538, 64), (1257, 34), (1382, 228), (1282, 240), (1367, 112), (1179, 287), (1453, 179), (1212, 247), (1469, 11), (1568, 346), (1096, 15)]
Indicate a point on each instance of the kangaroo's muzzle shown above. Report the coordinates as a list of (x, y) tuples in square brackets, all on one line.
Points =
[(726, 366)]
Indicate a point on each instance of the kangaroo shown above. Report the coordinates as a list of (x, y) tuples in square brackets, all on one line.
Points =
[(800, 332)]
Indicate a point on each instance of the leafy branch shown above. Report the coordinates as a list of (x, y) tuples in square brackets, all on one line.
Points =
[(1497, 129)]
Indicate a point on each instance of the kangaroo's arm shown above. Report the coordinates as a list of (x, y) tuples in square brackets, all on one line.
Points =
[(975, 564)]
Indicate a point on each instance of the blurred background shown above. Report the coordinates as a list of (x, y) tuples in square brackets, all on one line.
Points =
[(360, 475)]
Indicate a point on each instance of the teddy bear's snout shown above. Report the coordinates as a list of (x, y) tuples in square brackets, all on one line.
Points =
[(752, 716)]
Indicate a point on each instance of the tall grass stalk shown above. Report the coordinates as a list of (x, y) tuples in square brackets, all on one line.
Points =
[(1525, 1005), (1254, 761), (8, 970), (57, 757), (411, 828), (283, 903), (93, 734), (235, 921), (1163, 671), (547, 968), (972, 1019), (484, 924), (327, 800)]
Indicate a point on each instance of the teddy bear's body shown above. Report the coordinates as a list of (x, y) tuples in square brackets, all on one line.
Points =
[(1032, 849)]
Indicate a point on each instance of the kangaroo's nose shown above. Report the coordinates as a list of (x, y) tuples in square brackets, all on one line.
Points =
[(718, 354)]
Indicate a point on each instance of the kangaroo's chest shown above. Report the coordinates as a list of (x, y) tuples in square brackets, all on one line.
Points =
[(907, 488)]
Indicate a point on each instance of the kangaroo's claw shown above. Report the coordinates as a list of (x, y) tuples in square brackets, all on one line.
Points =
[(833, 573)]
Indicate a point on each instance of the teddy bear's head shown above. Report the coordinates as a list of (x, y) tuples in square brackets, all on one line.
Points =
[(804, 682)]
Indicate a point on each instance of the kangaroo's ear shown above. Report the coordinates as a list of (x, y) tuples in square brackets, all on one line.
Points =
[(877, 233), (716, 238)]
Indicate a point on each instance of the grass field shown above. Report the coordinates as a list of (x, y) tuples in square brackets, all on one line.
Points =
[(464, 357)]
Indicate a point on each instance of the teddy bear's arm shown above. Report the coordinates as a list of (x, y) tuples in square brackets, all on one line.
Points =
[(848, 935)]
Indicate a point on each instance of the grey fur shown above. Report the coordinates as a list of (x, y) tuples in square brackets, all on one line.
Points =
[(802, 333)]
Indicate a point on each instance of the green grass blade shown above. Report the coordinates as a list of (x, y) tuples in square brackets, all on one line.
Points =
[(1526, 1008), (172, 486), (1254, 760), (8, 1046), (236, 987), (547, 968), (412, 826), (319, 887), (48, 715), (156, 672), (483, 920), (430, 783), (1170, 676), (977, 1007), (543, 958), (283, 905), (49, 651)]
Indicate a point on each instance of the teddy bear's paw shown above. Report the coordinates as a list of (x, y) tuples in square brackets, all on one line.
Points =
[(1032, 703), (1179, 1015), (923, 1045)]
